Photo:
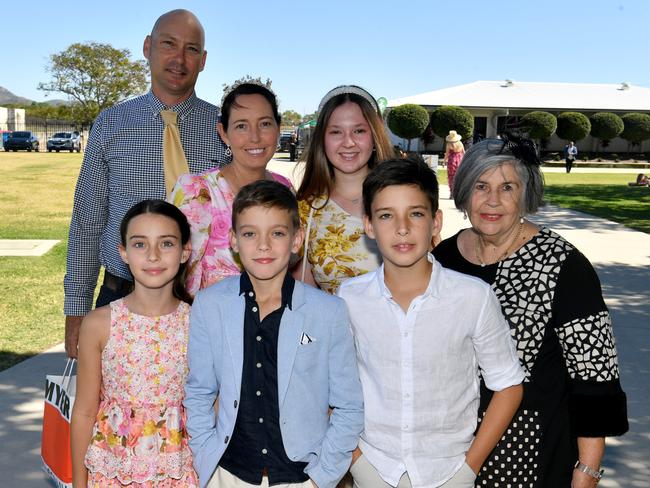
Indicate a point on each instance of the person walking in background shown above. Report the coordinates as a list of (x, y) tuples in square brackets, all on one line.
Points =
[(250, 125), (552, 299), (570, 155), (349, 140), (454, 151), (128, 421), (136, 151), (293, 146)]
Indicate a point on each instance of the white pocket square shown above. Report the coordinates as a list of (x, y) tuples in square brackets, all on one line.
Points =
[(305, 339)]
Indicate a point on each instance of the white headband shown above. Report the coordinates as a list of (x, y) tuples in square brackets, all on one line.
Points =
[(344, 89)]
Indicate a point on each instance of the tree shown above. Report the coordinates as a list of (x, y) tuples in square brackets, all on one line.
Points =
[(637, 128), (95, 76), (572, 126), (309, 117), (408, 121), (450, 117), (605, 126), (291, 117), (539, 125)]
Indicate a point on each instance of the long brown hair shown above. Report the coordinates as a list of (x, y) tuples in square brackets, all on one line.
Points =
[(318, 179)]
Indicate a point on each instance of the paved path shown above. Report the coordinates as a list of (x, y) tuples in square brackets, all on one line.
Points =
[(621, 257)]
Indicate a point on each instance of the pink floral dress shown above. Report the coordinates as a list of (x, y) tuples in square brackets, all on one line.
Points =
[(139, 438), (453, 162), (206, 200)]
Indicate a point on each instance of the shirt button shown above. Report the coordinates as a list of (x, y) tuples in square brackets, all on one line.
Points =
[(406, 334), (258, 338), (251, 294), (405, 427), (258, 393), (225, 441), (264, 451), (254, 309), (259, 365), (235, 404), (261, 420), (406, 395)]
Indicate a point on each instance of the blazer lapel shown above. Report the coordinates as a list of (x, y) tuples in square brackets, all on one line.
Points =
[(291, 328), (233, 314)]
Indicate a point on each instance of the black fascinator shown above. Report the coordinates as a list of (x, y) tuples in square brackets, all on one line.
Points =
[(521, 148)]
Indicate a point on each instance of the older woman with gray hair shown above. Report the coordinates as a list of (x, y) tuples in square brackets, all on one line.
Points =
[(552, 299)]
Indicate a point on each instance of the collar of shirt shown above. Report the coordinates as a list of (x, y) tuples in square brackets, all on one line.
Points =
[(246, 287), (182, 109), (432, 288)]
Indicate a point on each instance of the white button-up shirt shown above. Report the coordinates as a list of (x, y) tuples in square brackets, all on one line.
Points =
[(420, 370)]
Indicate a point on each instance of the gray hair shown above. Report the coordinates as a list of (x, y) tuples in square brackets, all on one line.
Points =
[(490, 154)]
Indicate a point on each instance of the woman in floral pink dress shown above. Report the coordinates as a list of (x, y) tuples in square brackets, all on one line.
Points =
[(128, 421), (250, 125)]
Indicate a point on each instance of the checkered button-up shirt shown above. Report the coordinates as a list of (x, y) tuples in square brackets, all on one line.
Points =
[(123, 165)]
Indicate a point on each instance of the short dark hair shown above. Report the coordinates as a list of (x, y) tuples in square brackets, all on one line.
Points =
[(248, 89), (269, 194), (410, 171), (161, 207)]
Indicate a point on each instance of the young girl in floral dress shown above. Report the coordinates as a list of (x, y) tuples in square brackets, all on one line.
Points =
[(128, 422)]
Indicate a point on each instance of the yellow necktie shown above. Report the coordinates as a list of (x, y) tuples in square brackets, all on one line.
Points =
[(174, 161)]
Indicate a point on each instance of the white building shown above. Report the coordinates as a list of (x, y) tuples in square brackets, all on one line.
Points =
[(12, 119), (497, 105)]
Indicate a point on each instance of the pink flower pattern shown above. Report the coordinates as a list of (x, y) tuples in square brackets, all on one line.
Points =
[(139, 438), (206, 200)]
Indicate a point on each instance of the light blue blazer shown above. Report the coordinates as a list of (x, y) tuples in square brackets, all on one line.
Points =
[(312, 376)]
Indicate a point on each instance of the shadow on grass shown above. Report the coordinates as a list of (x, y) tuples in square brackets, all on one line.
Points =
[(11, 358), (629, 206)]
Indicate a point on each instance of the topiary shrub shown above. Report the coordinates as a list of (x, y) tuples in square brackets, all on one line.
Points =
[(408, 121), (450, 117), (605, 126), (572, 126), (636, 128), (539, 125)]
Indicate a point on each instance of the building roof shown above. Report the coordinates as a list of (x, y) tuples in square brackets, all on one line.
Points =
[(535, 95)]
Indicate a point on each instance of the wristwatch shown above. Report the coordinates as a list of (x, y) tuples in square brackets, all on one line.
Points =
[(597, 474)]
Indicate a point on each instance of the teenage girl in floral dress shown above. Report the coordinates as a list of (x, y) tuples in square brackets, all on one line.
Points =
[(348, 141), (128, 421)]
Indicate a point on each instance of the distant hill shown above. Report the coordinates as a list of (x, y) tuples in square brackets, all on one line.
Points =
[(6, 98)]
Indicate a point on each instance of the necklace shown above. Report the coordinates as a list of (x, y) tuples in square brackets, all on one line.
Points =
[(479, 246), (351, 200)]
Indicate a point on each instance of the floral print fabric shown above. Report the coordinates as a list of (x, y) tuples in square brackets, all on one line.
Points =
[(338, 247), (139, 436), (206, 200)]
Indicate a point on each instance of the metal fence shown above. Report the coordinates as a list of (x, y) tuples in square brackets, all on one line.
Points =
[(44, 129)]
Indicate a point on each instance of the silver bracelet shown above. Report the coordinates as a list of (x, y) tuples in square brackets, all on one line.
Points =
[(582, 467)]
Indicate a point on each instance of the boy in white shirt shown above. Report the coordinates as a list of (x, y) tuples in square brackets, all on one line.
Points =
[(422, 334)]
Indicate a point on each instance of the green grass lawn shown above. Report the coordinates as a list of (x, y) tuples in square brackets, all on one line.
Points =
[(36, 203)]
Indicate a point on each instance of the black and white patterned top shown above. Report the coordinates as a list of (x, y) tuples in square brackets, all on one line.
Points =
[(552, 299), (123, 165)]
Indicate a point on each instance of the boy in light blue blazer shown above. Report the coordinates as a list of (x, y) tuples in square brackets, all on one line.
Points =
[(277, 355)]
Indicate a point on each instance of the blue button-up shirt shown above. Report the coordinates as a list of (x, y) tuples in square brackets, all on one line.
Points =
[(123, 165)]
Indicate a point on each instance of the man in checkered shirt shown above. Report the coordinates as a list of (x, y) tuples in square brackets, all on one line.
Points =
[(123, 163)]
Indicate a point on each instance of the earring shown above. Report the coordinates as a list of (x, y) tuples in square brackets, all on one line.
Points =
[(228, 151), (521, 219), (464, 214)]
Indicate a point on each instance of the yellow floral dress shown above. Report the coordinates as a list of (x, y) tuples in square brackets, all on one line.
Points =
[(337, 246), (139, 438)]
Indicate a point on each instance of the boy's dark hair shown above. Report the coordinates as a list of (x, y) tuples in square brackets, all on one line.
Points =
[(269, 194), (410, 171), (161, 207)]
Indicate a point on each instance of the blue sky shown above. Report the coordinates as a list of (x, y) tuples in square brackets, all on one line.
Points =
[(393, 48)]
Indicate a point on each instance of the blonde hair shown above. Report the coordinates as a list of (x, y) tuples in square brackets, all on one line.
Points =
[(456, 146)]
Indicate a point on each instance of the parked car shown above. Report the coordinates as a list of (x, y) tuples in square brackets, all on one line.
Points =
[(21, 139), (64, 141), (285, 139)]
